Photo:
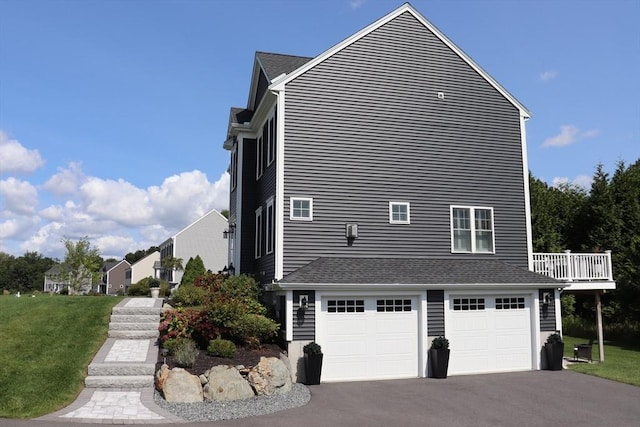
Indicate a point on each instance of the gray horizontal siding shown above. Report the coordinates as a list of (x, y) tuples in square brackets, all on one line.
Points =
[(547, 312), (435, 313), (366, 126), (304, 322)]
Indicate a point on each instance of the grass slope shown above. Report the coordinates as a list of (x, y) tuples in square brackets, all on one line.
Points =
[(46, 344), (621, 361)]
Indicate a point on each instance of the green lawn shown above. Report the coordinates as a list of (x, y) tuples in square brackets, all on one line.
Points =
[(46, 344), (621, 361)]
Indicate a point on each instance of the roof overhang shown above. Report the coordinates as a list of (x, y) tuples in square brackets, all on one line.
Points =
[(410, 286)]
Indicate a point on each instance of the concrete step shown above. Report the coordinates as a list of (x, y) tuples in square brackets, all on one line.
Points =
[(134, 318), (132, 335), (142, 326), (128, 311), (121, 369), (118, 381)]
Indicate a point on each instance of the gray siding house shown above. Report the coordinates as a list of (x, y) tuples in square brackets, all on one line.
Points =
[(379, 193)]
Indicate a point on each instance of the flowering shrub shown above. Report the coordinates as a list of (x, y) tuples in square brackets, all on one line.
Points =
[(231, 309)]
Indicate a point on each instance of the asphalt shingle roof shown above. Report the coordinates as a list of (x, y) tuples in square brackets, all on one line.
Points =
[(240, 115), (275, 64), (413, 271)]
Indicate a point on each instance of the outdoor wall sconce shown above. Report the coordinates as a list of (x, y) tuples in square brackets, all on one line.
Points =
[(228, 271), (304, 302), (546, 298), (229, 232)]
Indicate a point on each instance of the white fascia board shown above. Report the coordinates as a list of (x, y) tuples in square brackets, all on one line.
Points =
[(413, 286), (278, 85), (589, 286)]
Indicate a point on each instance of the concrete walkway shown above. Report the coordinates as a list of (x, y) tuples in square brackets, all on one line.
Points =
[(120, 381)]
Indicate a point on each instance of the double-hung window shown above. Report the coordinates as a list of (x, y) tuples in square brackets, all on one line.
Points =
[(271, 140), (472, 229), (301, 209), (234, 167), (259, 157), (259, 234), (399, 213), (269, 225)]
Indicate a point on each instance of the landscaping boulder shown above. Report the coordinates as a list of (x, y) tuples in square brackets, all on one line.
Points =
[(180, 386), (225, 383), (269, 377), (161, 376)]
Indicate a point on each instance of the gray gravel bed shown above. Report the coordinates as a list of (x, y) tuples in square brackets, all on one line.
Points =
[(217, 411)]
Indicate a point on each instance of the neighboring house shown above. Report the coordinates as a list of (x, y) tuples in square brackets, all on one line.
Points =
[(140, 269), (203, 237), (55, 281), (113, 277), (380, 191)]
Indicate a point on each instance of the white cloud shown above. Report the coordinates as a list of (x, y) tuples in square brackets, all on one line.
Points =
[(117, 216), (356, 4), (583, 181), (19, 197), (66, 181), (15, 158), (568, 135), (548, 75)]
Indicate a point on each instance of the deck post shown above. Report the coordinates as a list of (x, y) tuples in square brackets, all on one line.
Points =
[(599, 320), (569, 267)]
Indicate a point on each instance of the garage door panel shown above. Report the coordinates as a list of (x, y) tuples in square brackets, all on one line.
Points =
[(489, 337), (371, 344)]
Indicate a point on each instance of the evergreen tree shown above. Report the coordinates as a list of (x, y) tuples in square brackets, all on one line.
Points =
[(193, 270)]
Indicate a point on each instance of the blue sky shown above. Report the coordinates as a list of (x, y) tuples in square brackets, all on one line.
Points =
[(113, 113)]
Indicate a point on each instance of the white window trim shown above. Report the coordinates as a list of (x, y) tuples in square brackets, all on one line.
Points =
[(234, 167), (472, 210), (259, 156), (391, 220), (259, 233), (308, 199), (270, 227), (270, 140)]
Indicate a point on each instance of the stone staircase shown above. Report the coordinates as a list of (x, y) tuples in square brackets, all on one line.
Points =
[(128, 357)]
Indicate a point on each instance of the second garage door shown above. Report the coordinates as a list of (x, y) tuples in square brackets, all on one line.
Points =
[(489, 333), (366, 338)]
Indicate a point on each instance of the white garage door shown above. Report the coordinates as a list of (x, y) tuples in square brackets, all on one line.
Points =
[(489, 333), (366, 338)]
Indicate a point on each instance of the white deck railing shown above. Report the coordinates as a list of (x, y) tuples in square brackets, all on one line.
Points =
[(574, 267)]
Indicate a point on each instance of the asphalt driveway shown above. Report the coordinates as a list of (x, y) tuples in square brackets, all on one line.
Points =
[(538, 398)]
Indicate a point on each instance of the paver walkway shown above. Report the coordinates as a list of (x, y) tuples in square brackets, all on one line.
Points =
[(114, 394)]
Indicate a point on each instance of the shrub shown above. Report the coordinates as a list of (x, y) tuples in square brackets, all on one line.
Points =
[(312, 348), (189, 295), (140, 288), (193, 270), (185, 353), (440, 342), (221, 348), (253, 329), (554, 338), (165, 289)]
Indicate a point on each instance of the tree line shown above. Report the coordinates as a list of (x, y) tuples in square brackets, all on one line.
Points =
[(606, 217)]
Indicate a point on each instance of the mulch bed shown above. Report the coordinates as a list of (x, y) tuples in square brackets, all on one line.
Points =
[(244, 356)]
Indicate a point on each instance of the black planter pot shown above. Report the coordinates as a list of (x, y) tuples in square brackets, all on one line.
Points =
[(312, 368), (554, 353), (439, 362)]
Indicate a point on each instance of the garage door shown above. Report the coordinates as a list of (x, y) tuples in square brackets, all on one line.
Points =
[(366, 338), (489, 333)]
